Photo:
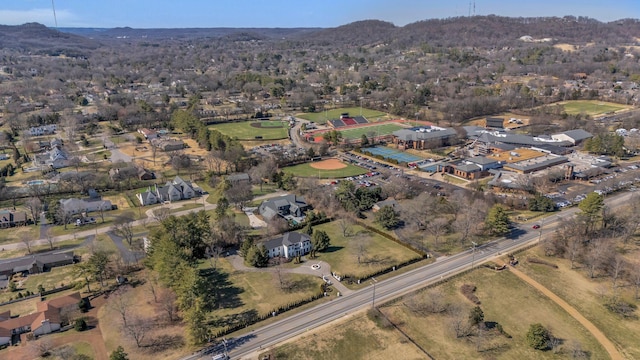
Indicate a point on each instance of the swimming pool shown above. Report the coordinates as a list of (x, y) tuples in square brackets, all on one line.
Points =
[(35, 182)]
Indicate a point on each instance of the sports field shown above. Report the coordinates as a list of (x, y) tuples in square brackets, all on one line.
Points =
[(377, 130), (322, 117), (326, 169), (590, 107), (249, 130)]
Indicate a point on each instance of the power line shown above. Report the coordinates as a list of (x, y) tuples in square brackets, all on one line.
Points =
[(55, 18)]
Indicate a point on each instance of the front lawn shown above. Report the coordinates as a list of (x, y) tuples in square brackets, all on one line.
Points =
[(374, 251)]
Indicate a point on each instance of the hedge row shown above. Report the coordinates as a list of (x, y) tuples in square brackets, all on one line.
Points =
[(392, 238), (383, 271), (256, 319)]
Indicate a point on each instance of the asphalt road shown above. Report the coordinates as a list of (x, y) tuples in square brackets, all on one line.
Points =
[(247, 346)]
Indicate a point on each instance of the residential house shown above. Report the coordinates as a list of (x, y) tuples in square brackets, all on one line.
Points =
[(175, 190), (35, 264), (290, 207), (79, 206), (289, 245), (148, 134), (48, 318), (168, 144), (238, 178), (11, 218), (55, 158), (129, 172), (42, 130)]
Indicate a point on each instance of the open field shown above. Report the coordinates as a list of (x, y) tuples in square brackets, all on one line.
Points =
[(588, 296), (375, 130), (248, 130), (590, 107), (356, 338), (307, 170), (505, 300), (324, 116), (375, 252)]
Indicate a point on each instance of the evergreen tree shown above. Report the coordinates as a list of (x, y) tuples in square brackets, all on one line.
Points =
[(497, 220)]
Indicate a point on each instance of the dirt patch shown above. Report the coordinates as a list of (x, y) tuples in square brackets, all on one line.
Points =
[(330, 164)]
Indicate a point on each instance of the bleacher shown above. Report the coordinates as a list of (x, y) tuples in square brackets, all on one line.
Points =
[(348, 121), (337, 123), (360, 120)]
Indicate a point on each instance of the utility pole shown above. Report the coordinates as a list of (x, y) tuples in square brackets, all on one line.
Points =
[(373, 298), (473, 252)]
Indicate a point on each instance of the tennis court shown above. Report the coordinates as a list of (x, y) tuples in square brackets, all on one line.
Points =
[(393, 154)]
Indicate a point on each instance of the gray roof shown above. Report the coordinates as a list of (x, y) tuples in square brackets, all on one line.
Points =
[(388, 202), (535, 164), (27, 262), (412, 135), (239, 177), (482, 160), (468, 167), (269, 208), (578, 134), (286, 239)]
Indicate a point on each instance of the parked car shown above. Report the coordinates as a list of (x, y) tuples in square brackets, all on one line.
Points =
[(536, 226)]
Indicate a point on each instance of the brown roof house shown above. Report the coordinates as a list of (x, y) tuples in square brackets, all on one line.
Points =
[(11, 218), (49, 317)]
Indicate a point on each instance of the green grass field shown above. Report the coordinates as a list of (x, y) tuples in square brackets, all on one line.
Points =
[(322, 117), (384, 129), (269, 130), (305, 170), (375, 252), (590, 107)]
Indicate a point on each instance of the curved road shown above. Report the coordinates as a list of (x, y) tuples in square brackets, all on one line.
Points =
[(247, 346)]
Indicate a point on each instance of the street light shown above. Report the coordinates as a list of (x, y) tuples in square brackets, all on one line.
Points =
[(540, 230), (373, 299)]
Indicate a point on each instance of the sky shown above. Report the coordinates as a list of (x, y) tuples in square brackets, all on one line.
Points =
[(289, 13)]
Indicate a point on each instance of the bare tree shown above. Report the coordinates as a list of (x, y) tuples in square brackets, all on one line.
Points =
[(64, 353), (49, 237), (634, 276), (34, 205), (167, 300), (123, 227), (153, 285), (617, 267), (137, 328), (437, 227), (162, 213), (360, 244), (121, 302), (345, 221), (26, 240), (459, 322)]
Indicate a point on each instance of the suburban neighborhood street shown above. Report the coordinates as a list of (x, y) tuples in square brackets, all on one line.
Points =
[(249, 345)]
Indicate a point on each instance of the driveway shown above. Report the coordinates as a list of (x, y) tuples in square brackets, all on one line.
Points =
[(254, 221), (119, 156), (129, 257), (306, 268)]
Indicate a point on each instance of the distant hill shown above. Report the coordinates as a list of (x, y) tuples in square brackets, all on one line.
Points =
[(38, 38), (190, 33), (359, 32), (483, 31)]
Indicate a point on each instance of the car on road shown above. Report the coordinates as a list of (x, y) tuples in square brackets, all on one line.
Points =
[(536, 226)]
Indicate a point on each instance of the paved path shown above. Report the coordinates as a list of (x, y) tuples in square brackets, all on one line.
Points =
[(599, 335), (324, 270)]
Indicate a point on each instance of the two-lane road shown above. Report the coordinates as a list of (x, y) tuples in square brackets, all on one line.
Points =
[(246, 346)]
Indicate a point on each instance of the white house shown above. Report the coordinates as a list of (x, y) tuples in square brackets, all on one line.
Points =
[(55, 158), (42, 130), (289, 245), (79, 206)]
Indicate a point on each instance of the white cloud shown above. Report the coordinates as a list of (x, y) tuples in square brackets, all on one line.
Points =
[(42, 16)]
